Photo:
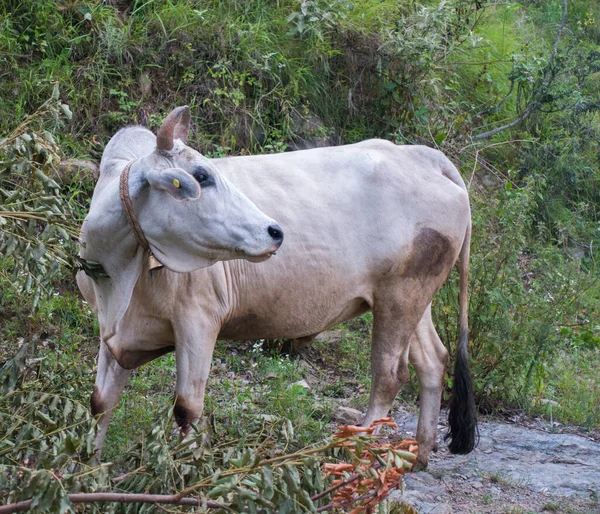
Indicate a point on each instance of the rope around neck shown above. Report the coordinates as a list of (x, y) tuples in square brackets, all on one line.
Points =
[(128, 207), (153, 262)]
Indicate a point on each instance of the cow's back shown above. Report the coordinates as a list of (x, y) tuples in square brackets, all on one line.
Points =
[(351, 216)]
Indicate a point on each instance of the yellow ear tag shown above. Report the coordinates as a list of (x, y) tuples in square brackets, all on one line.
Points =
[(176, 182)]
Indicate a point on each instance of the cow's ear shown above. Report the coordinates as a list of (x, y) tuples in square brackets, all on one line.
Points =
[(175, 181)]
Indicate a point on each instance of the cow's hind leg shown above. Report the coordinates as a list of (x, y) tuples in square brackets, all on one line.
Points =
[(110, 382), (429, 357), (395, 318)]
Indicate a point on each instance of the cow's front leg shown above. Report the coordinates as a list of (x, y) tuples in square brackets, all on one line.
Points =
[(110, 382), (193, 354)]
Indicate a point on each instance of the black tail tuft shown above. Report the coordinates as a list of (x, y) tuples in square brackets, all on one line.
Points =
[(463, 433)]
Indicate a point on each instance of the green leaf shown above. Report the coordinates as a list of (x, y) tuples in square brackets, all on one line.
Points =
[(55, 92), (64, 107)]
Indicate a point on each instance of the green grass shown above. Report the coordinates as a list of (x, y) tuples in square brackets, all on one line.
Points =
[(572, 381), (251, 382), (253, 73), (247, 386)]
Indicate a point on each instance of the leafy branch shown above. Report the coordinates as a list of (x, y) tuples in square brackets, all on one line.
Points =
[(49, 440), (36, 222)]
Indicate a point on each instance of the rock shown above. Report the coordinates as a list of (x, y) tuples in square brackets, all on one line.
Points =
[(564, 464), (310, 132), (576, 252), (70, 168), (330, 336), (348, 416), (145, 84), (302, 383), (545, 401), (422, 501), (489, 180), (424, 482)]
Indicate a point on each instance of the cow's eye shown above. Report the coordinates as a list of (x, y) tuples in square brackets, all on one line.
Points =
[(204, 178)]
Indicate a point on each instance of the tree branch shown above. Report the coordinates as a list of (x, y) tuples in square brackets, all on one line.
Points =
[(531, 108), (586, 107), (546, 82), (561, 27), (120, 498)]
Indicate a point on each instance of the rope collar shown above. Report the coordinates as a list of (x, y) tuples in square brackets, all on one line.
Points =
[(153, 262)]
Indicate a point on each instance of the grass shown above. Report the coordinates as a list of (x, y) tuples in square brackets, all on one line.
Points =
[(253, 381), (250, 382), (572, 381), (247, 386), (502, 479), (253, 73)]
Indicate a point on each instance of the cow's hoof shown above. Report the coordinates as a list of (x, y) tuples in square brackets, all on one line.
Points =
[(95, 459), (420, 465)]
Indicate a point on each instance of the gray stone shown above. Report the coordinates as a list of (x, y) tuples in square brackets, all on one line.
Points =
[(348, 416), (576, 252), (422, 502), (561, 465), (145, 84), (330, 336), (69, 168), (302, 383), (425, 483)]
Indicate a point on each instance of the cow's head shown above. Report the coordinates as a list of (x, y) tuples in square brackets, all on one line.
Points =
[(190, 214)]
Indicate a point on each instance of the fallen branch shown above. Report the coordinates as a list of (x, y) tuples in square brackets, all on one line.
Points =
[(377, 470), (267, 462), (169, 499)]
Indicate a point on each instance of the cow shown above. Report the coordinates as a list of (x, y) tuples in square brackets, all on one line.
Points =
[(178, 251)]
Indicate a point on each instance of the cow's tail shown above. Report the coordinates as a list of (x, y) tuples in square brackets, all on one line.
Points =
[(463, 432)]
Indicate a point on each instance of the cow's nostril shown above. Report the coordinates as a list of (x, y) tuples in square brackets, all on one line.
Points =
[(276, 233)]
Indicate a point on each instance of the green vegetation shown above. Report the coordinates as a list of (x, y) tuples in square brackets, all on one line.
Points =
[(509, 91)]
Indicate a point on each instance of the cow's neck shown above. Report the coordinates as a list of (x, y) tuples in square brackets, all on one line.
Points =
[(107, 233)]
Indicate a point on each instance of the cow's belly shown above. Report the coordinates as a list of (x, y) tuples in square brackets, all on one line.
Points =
[(291, 324), (276, 302)]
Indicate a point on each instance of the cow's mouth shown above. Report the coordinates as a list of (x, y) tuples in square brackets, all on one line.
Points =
[(257, 257)]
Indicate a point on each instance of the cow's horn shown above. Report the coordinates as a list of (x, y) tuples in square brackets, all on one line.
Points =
[(175, 126)]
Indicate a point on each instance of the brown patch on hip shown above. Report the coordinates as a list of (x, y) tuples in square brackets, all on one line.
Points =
[(431, 255)]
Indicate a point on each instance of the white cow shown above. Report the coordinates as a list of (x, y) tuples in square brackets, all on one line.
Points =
[(370, 226)]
